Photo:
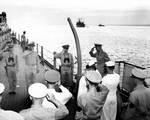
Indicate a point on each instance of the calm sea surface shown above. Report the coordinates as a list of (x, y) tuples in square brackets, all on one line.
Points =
[(128, 43)]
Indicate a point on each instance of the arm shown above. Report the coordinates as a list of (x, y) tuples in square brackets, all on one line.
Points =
[(91, 52), (82, 89), (26, 53), (58, 55), (104, 92), (106, 57), (67, 94), (61, 111)]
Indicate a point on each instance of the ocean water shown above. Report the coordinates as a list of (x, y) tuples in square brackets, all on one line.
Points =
[(127, 43)]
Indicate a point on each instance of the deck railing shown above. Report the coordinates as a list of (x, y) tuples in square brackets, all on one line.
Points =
[(124, 70), (45, 55)]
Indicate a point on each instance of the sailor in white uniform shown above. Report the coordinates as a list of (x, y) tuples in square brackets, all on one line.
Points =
[(111, 81), (38, 91), (82, 83)]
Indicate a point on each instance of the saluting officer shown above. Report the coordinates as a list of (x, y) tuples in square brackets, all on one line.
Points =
[(101, 57)]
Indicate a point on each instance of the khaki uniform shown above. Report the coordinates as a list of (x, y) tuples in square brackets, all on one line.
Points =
[(10, 115), (92, 104), (32, 63), (40, 113), (67, 65), (23, 41), (139, 108), (101, 59), (11, 64)]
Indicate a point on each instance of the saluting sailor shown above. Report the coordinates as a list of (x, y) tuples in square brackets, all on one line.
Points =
[(38, 92), (61, 93)]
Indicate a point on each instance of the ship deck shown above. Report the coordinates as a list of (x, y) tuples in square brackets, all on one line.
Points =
[(17, 50)]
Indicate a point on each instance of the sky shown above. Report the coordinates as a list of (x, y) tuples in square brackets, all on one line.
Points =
[(110, 12), (81, 4)]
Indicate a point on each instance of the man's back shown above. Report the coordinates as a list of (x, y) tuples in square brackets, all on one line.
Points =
[(10, 115), (38, 113), (31, 57)]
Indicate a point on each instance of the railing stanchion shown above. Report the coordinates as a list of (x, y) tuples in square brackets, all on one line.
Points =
[(119, 68), (54, 62), (19, 37), (42, 58)]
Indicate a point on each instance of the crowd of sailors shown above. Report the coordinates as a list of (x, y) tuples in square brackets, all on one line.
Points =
[(57, 96)]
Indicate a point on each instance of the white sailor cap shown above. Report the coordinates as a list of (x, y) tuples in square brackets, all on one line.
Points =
[(37, 90), (2, 88), (52, 76), (93, 76), (110, 63), (139, 73)]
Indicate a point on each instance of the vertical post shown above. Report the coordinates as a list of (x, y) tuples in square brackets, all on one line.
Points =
[(42, 55), (54, 62), (37, 48), (19, 38), (27, 40), (119, 68)]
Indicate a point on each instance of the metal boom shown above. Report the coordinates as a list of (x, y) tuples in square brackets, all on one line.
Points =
[(79, 57)]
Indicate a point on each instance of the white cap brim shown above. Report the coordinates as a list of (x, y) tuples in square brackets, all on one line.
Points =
[(2, 88), (37, 90)]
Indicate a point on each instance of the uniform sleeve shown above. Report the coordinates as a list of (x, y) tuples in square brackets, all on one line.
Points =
[(61, 112), (106, 57), (104, 81), (132, 98), (104, 92), (82, 86), (67, 94), (58, 55), (82, 101), (92, 54)]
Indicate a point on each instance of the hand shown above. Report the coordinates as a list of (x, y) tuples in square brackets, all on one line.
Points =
[(93, 49), (50, 97)]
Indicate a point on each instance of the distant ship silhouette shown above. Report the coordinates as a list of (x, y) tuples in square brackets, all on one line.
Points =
[(80, 23), (101, 25)]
